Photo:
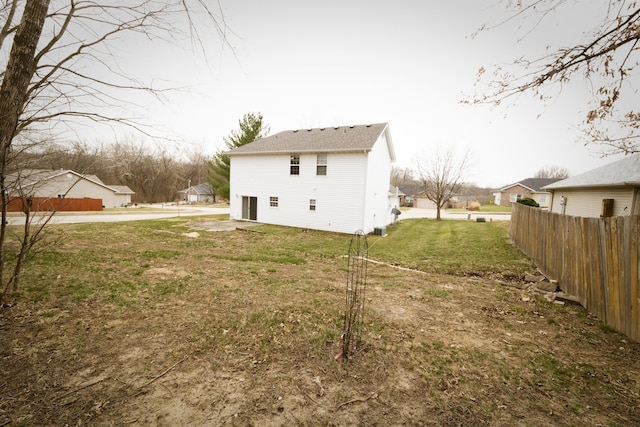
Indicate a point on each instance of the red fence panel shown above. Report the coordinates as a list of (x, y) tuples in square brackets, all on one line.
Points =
[(44, 204)]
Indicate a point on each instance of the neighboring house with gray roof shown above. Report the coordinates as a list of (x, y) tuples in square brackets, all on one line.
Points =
[(200, 193), (333, 179), (610, 190), (410, 192), (527, 188), (64, 183)]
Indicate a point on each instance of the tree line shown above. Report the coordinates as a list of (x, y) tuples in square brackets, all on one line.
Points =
[(154, 172)]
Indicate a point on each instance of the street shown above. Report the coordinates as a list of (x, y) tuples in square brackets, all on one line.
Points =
[(170, 210), (444, 214), (131, 214)]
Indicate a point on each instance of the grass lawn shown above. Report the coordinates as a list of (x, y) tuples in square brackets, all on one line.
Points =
[(460, 248), (165, 323)]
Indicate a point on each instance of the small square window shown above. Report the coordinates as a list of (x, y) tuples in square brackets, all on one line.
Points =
[(273, 202), (312, 204), (321, 165), (295, 164)]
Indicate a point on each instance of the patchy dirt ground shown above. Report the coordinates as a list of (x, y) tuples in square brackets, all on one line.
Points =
[(215, 340)]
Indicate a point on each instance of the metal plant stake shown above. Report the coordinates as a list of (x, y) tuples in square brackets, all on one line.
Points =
[(355, 295)]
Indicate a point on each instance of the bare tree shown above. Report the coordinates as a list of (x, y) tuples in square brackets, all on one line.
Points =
[(441, 174), (552, 172), (59, 66), (606, 58), (401, 176)]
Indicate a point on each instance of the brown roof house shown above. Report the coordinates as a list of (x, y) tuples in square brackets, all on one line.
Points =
[(527, 188)]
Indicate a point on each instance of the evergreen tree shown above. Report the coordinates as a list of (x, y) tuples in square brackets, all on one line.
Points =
[(252, 128)]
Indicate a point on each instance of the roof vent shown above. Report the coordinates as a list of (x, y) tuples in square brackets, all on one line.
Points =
[(295, 131), (351, 127), (309, 130)]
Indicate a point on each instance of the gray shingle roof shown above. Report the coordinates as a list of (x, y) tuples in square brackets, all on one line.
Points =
[(121, 189), (317, 140), (624, 172), (534, 184), (34, 177), (203, 188)]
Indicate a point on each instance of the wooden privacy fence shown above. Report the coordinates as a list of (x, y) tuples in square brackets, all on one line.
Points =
[(46, 204), (593, 259)]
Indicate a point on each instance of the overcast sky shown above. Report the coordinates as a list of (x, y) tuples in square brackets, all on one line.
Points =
[(309, 64)]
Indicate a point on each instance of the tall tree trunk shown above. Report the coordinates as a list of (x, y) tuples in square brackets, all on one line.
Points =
[(21, 67)]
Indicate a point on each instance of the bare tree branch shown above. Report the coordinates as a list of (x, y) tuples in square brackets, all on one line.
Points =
[(63, 65), (609, 55)]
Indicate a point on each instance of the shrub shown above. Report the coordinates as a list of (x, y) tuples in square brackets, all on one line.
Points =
[(473, 206), (529, 202)]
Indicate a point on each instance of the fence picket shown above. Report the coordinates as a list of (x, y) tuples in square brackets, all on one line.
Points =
[(593, 259)]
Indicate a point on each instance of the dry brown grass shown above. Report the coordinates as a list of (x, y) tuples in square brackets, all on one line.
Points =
[(158, 327)]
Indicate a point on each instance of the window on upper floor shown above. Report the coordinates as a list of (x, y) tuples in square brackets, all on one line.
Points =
[(321, 164), (295, 164)]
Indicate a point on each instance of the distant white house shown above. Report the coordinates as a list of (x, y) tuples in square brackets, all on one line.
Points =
[(63, 183), (333, 179), (610, 190), (200, 193)]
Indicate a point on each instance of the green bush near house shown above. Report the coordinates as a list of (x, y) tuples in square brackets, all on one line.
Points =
[(528, 202)]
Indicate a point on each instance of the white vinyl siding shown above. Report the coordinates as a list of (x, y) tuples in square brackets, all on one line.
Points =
[(542, 198), (78, 188), (588, 202), (377, 212), (353, 195), (340, 193)]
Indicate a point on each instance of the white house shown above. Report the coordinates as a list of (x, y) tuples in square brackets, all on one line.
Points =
[(201, 193), (68, 184), (333, 179), (610, 190)]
